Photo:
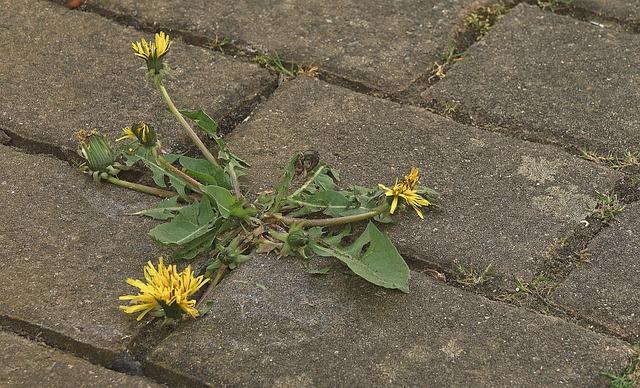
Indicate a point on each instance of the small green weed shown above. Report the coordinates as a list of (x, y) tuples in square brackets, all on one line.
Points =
[(273, 62), (448, 58), (627, 159), (629, 376), (538, 289), (218, 42), (607, 207), (469, 276)]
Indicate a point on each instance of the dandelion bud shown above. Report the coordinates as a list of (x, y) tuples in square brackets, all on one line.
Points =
[(96, 150), (143, 133), (297, 238)]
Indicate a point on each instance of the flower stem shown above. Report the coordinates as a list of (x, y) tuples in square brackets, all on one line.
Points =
[(192, 134), (304, 222), (214, 282), (195, 185), (141, 188)]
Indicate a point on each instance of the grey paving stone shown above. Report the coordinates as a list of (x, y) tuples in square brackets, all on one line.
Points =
[(551, 76), (63, 70), (626, 11), (606, 289), (503, 200), (67, 248), (275, 325), (30, 364), (381, 44)]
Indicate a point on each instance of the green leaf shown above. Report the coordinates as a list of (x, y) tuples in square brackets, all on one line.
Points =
[(205, 171), (332, 203), (192, 222), (196, 246), (372, 256), (227, 204), (202, 120), (283, 185), (159, 172), (232, 161), (165, 210)]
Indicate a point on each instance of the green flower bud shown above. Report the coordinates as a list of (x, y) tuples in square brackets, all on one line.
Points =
[(297, 238), (96, 150)]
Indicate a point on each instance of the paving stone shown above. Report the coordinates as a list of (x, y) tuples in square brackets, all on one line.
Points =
[(605, 290), (551, 76), (622, 10), (63, 70), (385, 45), (275, 325), (30, 364), (67, 247), (503, 200)]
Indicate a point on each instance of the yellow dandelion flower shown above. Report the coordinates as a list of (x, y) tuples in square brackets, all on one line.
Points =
[(165, 290), (406, 189), (152, 52)]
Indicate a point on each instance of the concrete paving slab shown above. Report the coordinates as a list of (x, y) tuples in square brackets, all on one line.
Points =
[(606, 290), (503, 200), (67, 248), (64, 70), (26, 363), (625, 11), (384, 45), (551, 76), (275, 325)]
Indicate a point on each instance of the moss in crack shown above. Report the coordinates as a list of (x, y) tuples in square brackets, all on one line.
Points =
[(533, 294), (607, 207), (555, 5), (482, 19), (470, 276)]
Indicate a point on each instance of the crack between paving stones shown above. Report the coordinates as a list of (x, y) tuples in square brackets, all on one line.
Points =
[(34, 147), (558, 267), (422, 267), (132, 361), (243, 52)]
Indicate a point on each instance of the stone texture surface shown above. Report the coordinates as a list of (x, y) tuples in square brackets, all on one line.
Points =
[(606, 289), (626, 11), (275, 325), (503, 200), (26, 363), (382, 44), (68, 246), (552, 76), (57, 79)]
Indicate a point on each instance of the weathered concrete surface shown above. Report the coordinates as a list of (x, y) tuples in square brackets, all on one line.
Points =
[(606, 289), (382, 44), (626, 11), (26, 363), (275, 325), (552, 76), (56, 79), (67, 248), (503, 200)]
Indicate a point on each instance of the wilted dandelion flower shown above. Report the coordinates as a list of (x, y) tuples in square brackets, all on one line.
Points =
[(165, 293), (406, 189), (153, 52)]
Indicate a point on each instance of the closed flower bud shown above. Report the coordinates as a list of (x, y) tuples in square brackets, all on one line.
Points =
[(96, 151)]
